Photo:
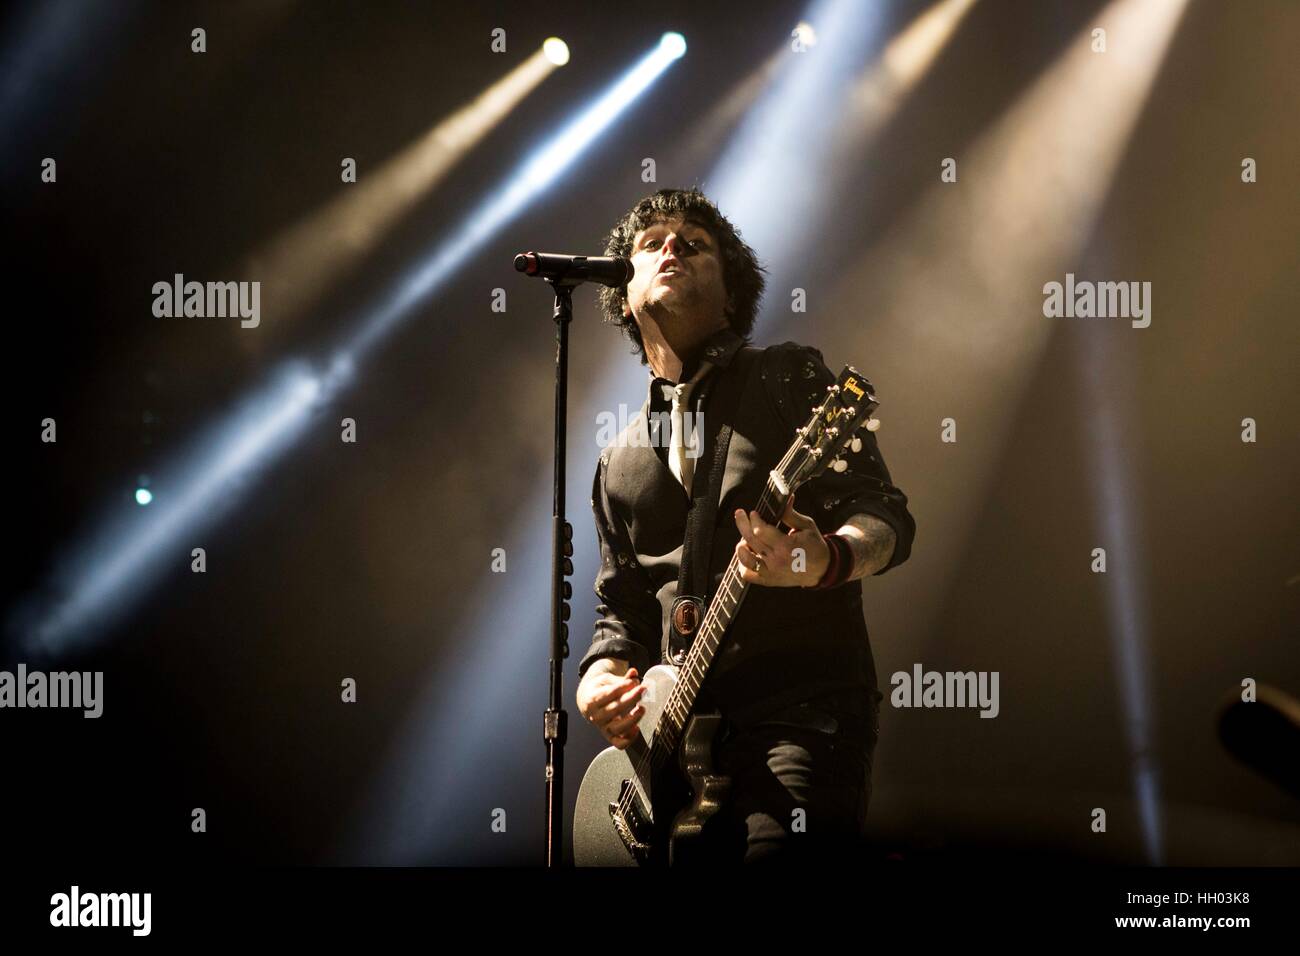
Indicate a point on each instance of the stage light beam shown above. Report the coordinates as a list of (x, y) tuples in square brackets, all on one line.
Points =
[(545, 165), (131, 551), (956, 289), (127, 555), (907, 58), (299, 266), (774, 168)]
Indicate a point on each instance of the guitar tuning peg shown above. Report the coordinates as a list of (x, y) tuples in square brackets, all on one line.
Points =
[(856, 444), (873, 424), (839, 465)]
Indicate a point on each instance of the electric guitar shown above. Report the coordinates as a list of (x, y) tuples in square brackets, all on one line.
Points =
[(643, 805)]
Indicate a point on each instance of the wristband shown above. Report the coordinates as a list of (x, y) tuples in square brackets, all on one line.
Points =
[(841, 563)]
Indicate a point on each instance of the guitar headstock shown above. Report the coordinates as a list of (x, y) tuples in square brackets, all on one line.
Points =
[(833, 427)]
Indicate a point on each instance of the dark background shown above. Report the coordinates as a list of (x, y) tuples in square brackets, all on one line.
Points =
[(371, 560)]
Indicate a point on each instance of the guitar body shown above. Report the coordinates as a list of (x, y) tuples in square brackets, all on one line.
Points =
[(709, 789), (660, 811)]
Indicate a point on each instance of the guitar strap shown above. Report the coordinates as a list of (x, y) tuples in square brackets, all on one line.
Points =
[(701, 520)]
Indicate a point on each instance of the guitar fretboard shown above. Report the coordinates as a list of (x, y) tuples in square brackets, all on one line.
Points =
[(722, 610)]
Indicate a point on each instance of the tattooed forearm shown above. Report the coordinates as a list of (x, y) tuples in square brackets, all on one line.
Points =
[(872, 541)]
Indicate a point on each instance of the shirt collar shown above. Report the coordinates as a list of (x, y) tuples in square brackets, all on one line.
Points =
[(717, 350), (681, 391), (720, 347)]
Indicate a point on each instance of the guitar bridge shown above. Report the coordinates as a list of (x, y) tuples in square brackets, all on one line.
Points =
[(632, 824)]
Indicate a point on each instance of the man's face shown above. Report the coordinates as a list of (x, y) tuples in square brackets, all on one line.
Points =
[(678, 274)]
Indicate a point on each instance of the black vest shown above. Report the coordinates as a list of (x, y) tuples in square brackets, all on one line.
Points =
[(786, 644)]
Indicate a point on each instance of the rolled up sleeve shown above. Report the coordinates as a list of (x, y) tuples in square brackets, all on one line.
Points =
[(797, 382), (628, 615)]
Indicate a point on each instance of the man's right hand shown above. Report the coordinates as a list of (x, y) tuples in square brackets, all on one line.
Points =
[(612, 703)]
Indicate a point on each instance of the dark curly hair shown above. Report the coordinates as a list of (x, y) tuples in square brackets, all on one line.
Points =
[(741, 272)]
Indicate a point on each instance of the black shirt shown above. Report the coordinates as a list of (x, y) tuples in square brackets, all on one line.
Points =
[(785, 644)]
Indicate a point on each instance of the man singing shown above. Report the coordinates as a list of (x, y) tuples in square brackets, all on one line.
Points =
[(794, 680)]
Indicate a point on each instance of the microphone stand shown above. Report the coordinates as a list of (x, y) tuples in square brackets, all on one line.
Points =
[(555, 720)]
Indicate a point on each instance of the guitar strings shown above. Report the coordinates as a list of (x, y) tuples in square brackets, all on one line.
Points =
[(654, 753), (674, 704), (658, 749)]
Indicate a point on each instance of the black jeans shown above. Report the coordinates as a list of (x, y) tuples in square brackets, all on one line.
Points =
[(800, 785)]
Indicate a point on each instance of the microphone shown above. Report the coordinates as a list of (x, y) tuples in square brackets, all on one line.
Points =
[(612, 271), (1264, 734)]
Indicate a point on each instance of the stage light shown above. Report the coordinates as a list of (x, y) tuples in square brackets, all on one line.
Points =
[(804, 34), (143, 496), (556, 50), (674, 45), (128, 554)]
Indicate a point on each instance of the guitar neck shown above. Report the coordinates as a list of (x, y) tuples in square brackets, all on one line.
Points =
[(722, 610)]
